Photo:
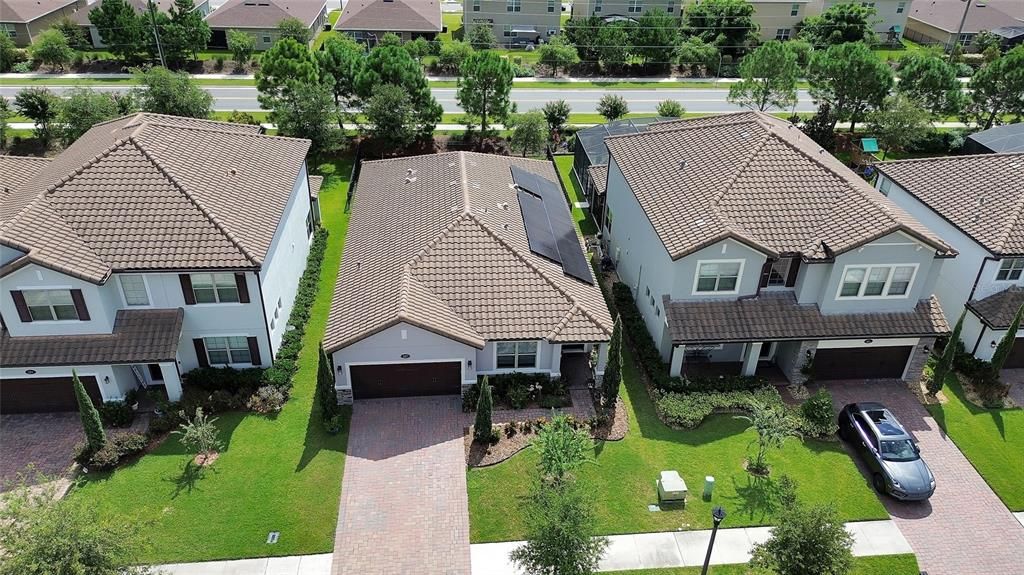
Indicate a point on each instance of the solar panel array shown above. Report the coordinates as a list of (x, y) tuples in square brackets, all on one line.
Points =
[(550, 229)]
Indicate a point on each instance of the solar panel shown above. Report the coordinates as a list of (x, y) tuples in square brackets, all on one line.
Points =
[(538, 228)]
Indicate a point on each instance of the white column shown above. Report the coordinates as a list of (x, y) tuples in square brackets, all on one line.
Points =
[(556, 360), (676, 369), (172, 383), (750, 359)]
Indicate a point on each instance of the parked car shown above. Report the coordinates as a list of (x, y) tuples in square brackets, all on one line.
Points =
[(888, 450)]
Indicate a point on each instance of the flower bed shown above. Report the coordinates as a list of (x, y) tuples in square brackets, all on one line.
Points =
[(521, 391)]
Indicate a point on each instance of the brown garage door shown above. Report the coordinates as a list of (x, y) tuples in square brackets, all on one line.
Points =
[(861, 362), (44, 394), (1016, 358), (406, 379)]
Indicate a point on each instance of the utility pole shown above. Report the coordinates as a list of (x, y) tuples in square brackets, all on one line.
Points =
[(956, 40), (156, 33)]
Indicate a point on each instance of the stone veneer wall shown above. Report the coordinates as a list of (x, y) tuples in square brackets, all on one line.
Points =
[(918, 358), (793, 374)]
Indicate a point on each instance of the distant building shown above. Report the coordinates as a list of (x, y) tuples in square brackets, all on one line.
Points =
[(23, 20), (82, 16), (368, 20), (937, 21), (623, 9), (998, 140), (260, 18), (779, 19), (514, 21)]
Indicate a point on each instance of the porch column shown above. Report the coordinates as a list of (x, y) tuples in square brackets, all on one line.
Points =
[(172, 383), (676, 369), (750, 359), (602, 361), (556, 360)]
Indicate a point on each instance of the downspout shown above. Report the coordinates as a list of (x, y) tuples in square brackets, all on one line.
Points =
[(977, 278), (977, 344)]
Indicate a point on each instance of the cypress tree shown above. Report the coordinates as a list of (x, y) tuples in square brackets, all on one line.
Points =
[(326, 394), (94, 435), (945, 363), (1006, 344), (482, 426), (613, 371)]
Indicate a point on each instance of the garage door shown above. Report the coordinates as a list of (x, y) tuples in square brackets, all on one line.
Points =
[(406, 379), (44, 394), (1016, 357), (861, 362)]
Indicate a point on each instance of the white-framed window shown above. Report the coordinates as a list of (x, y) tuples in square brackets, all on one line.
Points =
[(608, 217), (513, 5), (214, 288), (9, 29), (50, 304), (901, 7), (884, 186), (598, 6), (965, 39), (267, 39), (718, 276), (876, 282), (309, 224), (227, 350), (507, 32), (783, 33), (794, 9), (635, 7), (134, 289), (476, 5), (779, 273), (551, 5), (1010, 270), (515, 354)]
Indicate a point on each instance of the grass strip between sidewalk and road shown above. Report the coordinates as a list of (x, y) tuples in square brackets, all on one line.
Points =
[(904, 564)]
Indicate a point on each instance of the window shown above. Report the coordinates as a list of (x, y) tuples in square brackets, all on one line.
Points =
[(608, 219), (597, 6), (718, 277), (507, 32), (966, 39), (50, 304), (516, 354), (476, 5), (900, 7), (1010, 270), (782, 34), (884, 185), (876, 281), (309, 224), (868, 4), (267, 39), (9, 29), (513, 5), (671, 7), (551, 5), (794, 10), (227, 350), (634, 7), (214, 288), (134, 289), (780, 272)]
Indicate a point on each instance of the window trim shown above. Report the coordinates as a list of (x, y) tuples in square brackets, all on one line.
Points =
[(215, 294), (739, 277), (55, 320), (785, 276), (236, 365), (145, 284), (885, 288), (634, 7), (794, 9), (1010, 269), (536, 356), (783, 34)]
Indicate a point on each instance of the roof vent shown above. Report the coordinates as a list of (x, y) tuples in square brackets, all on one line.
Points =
[(682, 164), (410, 179), (233, 172), (699, 222), (410, 172), (745, 135), (359, 265), (454, 209), (502, 205), (476, 185), (505, 227), (981, 200)]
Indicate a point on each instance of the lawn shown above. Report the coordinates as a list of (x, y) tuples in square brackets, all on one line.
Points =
[(881, 565), (992, 439), (582, 216), (623, 475), (275, 474), (452, 22)]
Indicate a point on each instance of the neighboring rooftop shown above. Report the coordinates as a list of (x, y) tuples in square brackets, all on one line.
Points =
[(154, 192), (22, 11), (599, 177), (982, 195), (386, 15), (592, 138), (1000, 139), (140, 6), (264, 13), (439, 242), (982, 15), (16, 170), (998, 309), (759, 180)]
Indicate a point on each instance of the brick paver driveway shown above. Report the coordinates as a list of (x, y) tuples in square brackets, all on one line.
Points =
[(964, 528), (404, 507), (46, 441)]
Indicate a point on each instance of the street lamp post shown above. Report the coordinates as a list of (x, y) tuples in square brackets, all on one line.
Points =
[(717, 514)]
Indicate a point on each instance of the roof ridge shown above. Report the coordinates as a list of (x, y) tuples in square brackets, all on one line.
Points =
[(944, 158), (1011, 223), (210, 216), (683, 124), (147, 123), (562, 323)]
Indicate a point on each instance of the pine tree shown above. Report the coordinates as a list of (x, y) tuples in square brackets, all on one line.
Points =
[(482, 431), (1006, 344), (945, 363), (613, 371), (95, 438)]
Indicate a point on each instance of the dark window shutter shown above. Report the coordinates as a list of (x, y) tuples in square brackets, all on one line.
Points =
[(766, 270), (79, 299), (254, 351), (21, 306), (201, 352), (243, 288), (186, 289), (793, 269)]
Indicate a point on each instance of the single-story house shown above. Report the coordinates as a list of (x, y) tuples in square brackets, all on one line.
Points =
[(23, 20), (939, 21), (260, 18), (997, 140), (140, 6), (368, 20)]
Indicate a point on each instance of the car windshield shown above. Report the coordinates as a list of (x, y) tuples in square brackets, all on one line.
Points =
[(899, 450)]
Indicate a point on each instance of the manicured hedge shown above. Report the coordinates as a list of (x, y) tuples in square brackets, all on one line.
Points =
[(644, 350), (688, 410)]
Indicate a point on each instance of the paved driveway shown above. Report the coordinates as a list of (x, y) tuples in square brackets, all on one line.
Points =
[(964, 528), (45, 441), (404, 507)]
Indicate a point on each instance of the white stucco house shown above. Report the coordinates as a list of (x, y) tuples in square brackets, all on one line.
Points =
[(976, 204), (150, 246), (456, 266)]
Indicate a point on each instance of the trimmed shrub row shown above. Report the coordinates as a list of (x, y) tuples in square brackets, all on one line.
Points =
[(118, 447), (813, 418), (517, 390)]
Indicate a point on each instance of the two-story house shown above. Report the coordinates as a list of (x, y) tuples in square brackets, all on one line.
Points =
[(531, 20), (976, 204), (24, 20), (744, 242), (623, 9), (150, 246), (459, 265)]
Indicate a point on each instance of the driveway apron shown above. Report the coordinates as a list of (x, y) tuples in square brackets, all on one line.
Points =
[(404, 507), (964, 528)]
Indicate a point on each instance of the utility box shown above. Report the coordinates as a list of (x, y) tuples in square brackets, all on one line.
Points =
[(671, 488), (709, 486)]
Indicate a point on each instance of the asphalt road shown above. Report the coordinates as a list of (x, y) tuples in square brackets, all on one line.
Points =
[(582, 101)]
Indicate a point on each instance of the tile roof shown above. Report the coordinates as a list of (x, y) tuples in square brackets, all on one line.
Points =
[(315, 182), (264, 13), (82, 16), (998, 309), (155, 192), (139, 336), (981, 195), (21, 11), (391, 15), (778, 316), (759, 180), (438, 241), (946, 14), (599, 177), (16, 170)]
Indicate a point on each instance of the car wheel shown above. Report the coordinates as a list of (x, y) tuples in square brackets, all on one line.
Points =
[(879, 483)]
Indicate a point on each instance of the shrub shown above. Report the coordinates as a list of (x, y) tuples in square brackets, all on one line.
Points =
[(117, 449), (723, 383), (518, 396), (644, 350), (222, 378), (689, 410), (199, 433), (267, 399), (116, 414), (482, 425), (218, 62), (104, 459), (90, 417), (469, 398), (818, 414)]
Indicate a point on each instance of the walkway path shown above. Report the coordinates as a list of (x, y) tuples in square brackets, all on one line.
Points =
[(404, 507)]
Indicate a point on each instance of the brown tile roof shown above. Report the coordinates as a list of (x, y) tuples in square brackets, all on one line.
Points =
[(997, 310), (315, 182), (598, 177), (981, 195), (264, 13), (987, 15), (20, 11), (393, 15), (778, 316), (139, 336), (82, 16), (756, 179), (155, 192), (16, 170), (444, 247)]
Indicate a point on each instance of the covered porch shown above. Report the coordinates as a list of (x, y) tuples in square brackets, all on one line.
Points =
[(728, 359), (582, 364)]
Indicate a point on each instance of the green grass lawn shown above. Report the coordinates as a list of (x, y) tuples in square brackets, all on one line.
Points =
[(452, 22), (582, 216), (623, 475), (992, 439), (275, 474), (881, 565), (889, 54)]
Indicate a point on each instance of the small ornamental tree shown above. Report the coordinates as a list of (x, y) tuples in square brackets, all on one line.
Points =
[(697, 56), (201, 436), (613, 370), (481, 37), (51, 48), (95, 438), (242, 46), (483, 426), (173, 93), (671, 109), (773, 426), (768, 78), (8, 53), (527, 132), (325, 392), (452, 55), (5, 115), (563, 449), (293, 28), (81, 110), (556, 113), (1006, 344), (41, 106), (944, 365), (612, 107), (899, 124), (558, 54)]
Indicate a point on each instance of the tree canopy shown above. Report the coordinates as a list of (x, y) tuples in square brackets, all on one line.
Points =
[(81, 109), (293, 28), (51, 48), (932, 81), (728, 24), (899, 123), (559, 54), (173, 93), (121, 29), (393, 65), (768, 78), (997, 88), (839, 24), (655, 37), (485, 84), (698, 56), (851, 78)]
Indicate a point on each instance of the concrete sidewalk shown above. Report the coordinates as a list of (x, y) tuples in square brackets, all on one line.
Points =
[(625, 552)]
